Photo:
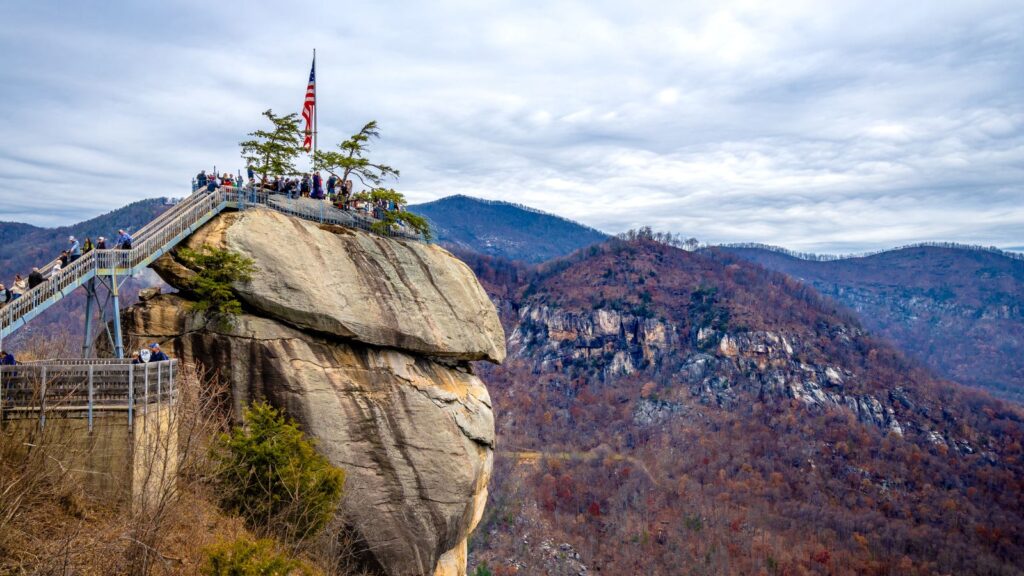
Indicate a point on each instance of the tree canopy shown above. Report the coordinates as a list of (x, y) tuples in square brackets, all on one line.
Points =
[(350, 159), (216, 271), (399, 215), (273, 152)]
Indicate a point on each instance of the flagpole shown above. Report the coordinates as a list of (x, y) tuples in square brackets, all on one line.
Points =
[(316, 111)]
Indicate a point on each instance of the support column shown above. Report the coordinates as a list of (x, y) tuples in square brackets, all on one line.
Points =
[(90, 296), (118, 341)]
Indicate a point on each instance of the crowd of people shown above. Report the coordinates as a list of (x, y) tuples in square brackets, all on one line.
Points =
[(310, 185), (75, 250)]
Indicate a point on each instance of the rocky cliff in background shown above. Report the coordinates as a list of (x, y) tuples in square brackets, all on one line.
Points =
[(958, 309), (366, 341)]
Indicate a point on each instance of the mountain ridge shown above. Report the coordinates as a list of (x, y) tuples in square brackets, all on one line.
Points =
[(505, 229), (820, 257), (958, 309)]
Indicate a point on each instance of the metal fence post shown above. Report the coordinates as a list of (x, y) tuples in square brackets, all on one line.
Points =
[(159, 390), (90, 397), (131, 396), (42, 398), (145, 399)]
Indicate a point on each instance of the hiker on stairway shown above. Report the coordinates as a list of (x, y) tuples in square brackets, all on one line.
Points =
[(5, 294), (19, 287), (7, 359), (75, 251), (124, 240), (35, 278), (65, 258), (201, 180), (101, 243), (88, 246)]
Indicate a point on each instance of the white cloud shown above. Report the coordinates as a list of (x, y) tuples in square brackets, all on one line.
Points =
[(850, 127)]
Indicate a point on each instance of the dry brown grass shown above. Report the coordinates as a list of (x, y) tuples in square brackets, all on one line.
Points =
[(50, 526)]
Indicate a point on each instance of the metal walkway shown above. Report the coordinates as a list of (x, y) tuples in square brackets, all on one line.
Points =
[(150, 242)]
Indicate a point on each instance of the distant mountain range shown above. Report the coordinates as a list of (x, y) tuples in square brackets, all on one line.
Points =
[(958, 309), (504, 229), (680, 404)]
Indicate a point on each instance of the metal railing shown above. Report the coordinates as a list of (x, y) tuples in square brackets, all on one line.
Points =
[(161, 235), (84, 387)]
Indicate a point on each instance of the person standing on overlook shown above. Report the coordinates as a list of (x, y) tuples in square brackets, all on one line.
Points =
[(317, 186), (75, 251), (88, 246), (35, 278), (101, 243), (332, 181), (155, 354)]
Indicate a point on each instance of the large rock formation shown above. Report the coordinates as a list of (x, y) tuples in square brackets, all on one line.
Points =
[(366, 341)]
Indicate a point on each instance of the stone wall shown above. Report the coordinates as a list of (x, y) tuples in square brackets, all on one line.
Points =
[(112, 462)]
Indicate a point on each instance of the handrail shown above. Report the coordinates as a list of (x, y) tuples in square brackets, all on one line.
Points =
[(84, 386), (76, 362)]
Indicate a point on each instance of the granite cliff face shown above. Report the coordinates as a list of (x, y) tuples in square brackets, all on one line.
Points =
[(366, 341), (714, 365)]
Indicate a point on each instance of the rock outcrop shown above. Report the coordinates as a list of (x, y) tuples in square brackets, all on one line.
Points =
[(383, 292), (714, 365), (366, 341)]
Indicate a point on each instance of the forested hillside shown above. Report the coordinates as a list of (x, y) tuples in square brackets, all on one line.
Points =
[(504, 229), (666, 412), (960, 310)]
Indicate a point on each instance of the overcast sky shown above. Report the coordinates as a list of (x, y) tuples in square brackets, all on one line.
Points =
[(824, 126)]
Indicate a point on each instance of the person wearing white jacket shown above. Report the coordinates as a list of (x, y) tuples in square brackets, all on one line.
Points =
[(20, 286)]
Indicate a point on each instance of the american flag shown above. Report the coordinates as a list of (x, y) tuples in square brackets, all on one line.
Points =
[(308, 107)]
